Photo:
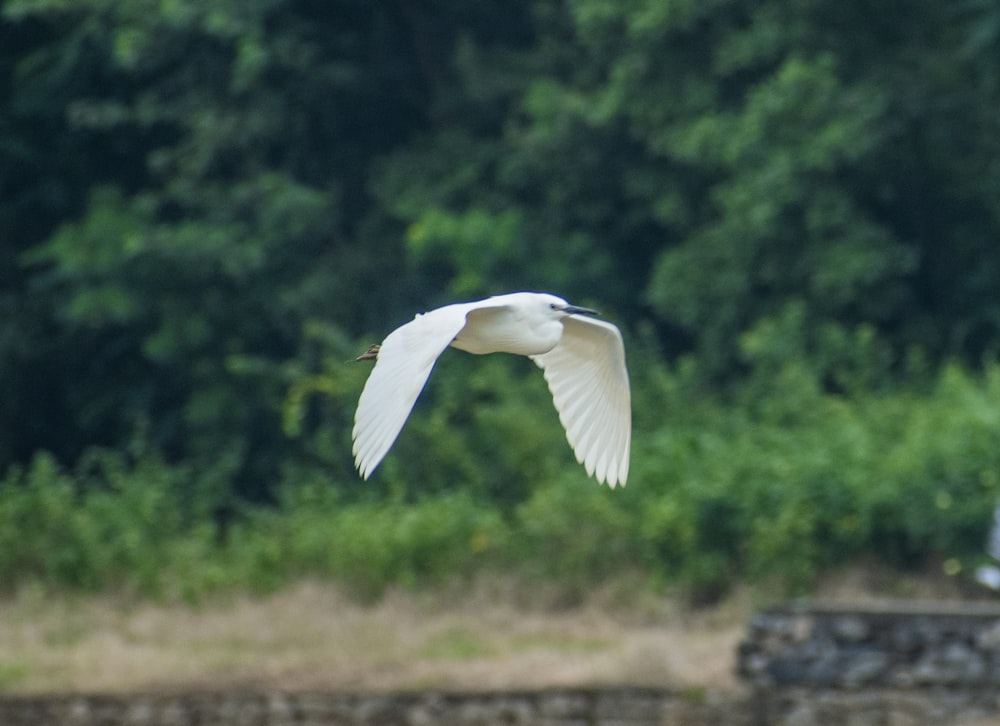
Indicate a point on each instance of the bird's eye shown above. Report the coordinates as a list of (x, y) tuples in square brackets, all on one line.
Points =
[(553, 306)]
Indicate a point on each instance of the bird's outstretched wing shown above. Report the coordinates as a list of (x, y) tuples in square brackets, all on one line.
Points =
[(589, 383), (405, 360)]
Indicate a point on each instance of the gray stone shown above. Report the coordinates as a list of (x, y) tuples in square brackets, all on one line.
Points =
[(565, 705), (280, 711), (380, 711), (989, 638), (864, 668), (951, 664), (174, 712), (849, 629), (140, 713), (803, 714), (907, 637)]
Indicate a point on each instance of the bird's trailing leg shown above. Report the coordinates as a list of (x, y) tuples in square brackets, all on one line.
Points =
[(371, 353)]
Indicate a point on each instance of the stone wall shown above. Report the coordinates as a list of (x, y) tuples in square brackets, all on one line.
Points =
[(898, 645), (581, 707), (897, 664)]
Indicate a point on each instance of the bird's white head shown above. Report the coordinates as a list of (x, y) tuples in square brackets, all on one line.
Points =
[(559, 308)]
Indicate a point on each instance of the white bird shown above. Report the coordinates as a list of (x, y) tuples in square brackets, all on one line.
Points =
[(583, 361)]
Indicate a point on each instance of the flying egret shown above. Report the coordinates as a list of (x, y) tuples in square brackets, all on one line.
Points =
[(583, 361)]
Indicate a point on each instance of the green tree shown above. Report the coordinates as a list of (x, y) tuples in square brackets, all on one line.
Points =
[(189, 262), (733, 162), (206, 205)]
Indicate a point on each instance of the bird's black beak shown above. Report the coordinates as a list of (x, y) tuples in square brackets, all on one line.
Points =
[(574, 310)]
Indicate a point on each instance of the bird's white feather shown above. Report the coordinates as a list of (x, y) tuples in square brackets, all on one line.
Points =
[(404, 362), (589, 383)]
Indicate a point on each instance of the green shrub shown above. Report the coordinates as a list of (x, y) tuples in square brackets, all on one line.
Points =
[(574, 534), (111, 523), (365, 545), (764, 483)]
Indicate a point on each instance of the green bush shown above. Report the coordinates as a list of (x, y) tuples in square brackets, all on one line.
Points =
[(110, 524), (765, 483), (367, 546), (574, 534)]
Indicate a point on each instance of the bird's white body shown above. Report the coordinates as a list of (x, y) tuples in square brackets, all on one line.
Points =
[(508, 328), (583, 361)]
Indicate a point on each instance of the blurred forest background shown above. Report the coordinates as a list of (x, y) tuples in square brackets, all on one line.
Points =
[(208, 208)]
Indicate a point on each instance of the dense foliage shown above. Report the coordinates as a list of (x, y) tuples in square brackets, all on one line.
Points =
[(791, 207)]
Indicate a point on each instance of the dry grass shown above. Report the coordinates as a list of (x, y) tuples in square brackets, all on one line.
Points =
[(310, 637)]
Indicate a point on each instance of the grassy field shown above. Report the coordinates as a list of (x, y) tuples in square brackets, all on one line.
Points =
[(310, 636)]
